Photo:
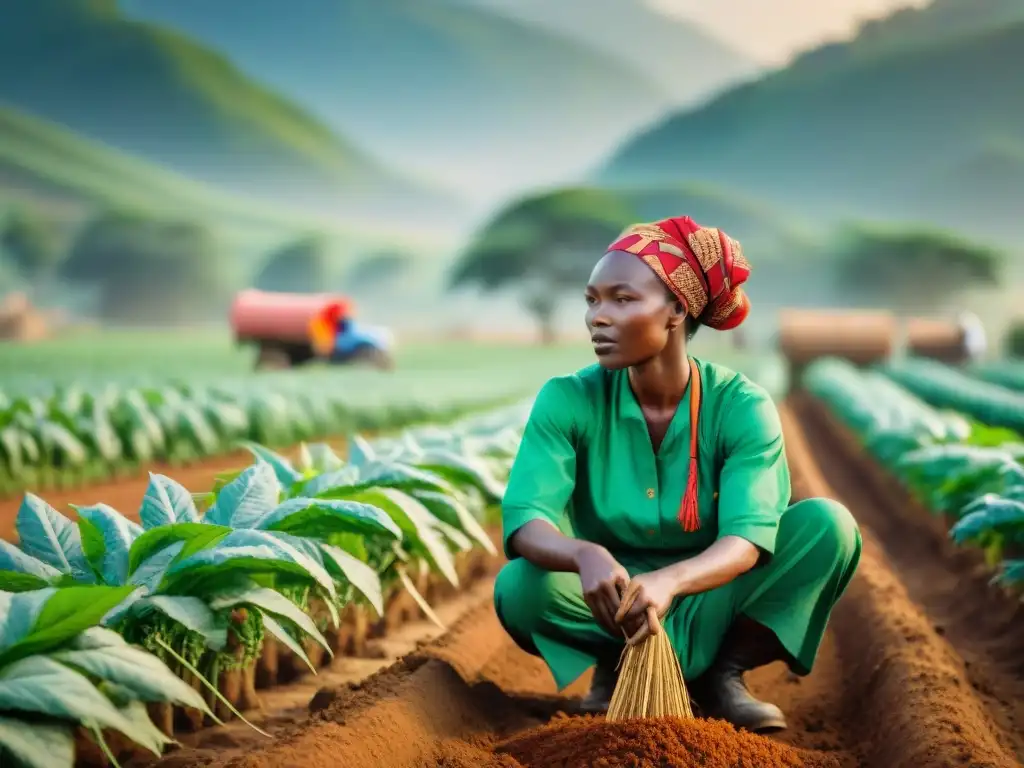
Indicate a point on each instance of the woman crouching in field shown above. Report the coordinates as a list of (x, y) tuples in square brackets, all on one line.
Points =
[(654, 481)]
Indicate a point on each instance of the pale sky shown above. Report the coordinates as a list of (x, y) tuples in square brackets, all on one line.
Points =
[(772, 31)]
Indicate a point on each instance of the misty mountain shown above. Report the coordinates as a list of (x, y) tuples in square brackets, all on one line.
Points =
[(457, 92), (156, 94), (688, 63), (869, 127)]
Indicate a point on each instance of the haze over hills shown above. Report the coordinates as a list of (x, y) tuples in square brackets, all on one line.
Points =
[(680, 57), (865, 127), (158, 95), (470, 96)]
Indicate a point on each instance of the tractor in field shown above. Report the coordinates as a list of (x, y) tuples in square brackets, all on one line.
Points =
[(291, 329)]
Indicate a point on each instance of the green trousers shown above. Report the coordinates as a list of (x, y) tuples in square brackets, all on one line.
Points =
[(817, 550)]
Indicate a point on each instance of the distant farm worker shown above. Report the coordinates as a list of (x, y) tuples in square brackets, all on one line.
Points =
[(652, 481)]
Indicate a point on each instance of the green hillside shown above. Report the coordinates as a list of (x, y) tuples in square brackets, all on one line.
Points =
[(486, 102), (859, 128), (989, 192), (690, 64), (154, 93), (51, 165)]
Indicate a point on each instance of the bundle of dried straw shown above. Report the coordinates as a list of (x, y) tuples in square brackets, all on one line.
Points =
[(650, 682)]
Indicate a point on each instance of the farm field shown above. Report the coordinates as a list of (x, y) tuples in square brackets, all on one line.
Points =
[(920, 665), (83, 410)]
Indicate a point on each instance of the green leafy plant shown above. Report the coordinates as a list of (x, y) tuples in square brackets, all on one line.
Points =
[(59, 671), (969, 469)]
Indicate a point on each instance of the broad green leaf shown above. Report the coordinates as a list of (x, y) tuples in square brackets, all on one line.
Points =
[(274, 627), (166, 502), (990, 514), (463, 470), (344, 477), (305, 461), (105, 655), (271, 601), (190, 612), (323, 459), (419, 527), (19, 613), (47, 535), (349, 479), (135, 713), (246, 552), (60, 444), (118, 535), (66, 613), (151, 571), (113, 617), (360, 452), (15, 581), (461, 541), (286, 474), (402, 477), (155, 539), (452, 511), (13, 559), (38, 744), (1011, 574), (359, 575), (93, 546), (318, 518), (247, 498), (46, 687)]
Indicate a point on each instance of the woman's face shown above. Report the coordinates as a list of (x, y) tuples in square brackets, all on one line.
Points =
[(629, 313)]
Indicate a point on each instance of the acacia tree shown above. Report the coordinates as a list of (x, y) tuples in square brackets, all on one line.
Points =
[(301, 266), (542, 246), (33, 243), (912, 269), (376, 270), (147, 270)]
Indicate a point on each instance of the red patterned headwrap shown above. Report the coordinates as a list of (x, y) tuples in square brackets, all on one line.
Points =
[(702, 266)]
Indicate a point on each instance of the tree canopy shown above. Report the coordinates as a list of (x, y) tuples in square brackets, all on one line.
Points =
[(301, 266), (376, 269), (33, 243), (148, 270), (913, 268), (543, 245)]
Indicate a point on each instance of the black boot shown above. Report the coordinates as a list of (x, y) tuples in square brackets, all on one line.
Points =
[(602, 686), (721, 693)]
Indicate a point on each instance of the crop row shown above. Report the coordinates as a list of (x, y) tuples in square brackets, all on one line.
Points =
[(107, 625), (944, 387), (68, 436), (969, 473)]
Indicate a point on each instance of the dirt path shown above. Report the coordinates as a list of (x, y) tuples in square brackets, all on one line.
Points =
[(888, 691), (950, 583)]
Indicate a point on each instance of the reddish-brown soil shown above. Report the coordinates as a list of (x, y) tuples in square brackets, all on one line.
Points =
[(586, 742), (978, 622), (123, 495), (917, 671)]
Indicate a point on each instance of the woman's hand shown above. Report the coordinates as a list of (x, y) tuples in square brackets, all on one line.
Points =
[(646, 599), (602, 578)]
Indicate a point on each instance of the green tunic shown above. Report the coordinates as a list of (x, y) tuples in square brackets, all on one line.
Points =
[(586, 465)]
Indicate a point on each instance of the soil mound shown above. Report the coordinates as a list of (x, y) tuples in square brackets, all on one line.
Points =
[(593, 742)]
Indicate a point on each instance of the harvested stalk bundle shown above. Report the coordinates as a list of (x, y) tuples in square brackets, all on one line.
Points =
[(650, 682)]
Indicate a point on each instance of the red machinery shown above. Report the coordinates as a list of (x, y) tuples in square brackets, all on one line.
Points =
[(295, 328)]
